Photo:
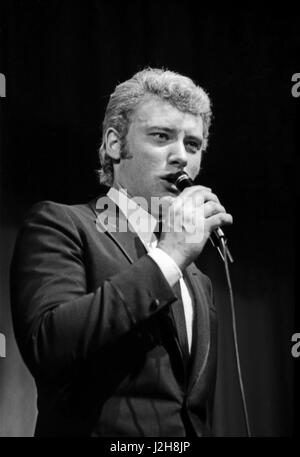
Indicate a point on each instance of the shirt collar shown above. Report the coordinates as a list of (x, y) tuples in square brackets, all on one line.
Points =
[(142, 222)]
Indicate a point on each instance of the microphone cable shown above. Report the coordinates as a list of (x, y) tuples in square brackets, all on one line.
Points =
[(235, 339)]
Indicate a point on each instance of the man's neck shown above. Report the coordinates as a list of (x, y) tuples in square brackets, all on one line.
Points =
[(139, 200)]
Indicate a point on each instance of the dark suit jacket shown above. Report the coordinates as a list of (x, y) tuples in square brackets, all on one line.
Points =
[(100, 329)]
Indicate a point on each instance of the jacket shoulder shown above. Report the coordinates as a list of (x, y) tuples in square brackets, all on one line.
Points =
[(51, 211), (48, 206)]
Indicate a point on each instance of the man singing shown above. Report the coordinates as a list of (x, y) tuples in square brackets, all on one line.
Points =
[(112, 317)]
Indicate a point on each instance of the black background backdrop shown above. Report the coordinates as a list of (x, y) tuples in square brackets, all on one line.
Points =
[(61, 60)]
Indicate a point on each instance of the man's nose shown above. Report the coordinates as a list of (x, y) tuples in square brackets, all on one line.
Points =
[(178, 154)]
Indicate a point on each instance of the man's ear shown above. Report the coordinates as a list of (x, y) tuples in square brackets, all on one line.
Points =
[(113, 144)]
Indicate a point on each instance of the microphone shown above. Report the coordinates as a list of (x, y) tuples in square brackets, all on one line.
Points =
[(217, 237)]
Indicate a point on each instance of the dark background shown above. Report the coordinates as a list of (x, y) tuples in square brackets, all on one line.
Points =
[(61, 60)]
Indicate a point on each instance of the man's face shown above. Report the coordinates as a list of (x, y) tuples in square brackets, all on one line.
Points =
[(161, 141)]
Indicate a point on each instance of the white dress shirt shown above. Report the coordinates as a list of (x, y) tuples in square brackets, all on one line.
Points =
[(143, 223)]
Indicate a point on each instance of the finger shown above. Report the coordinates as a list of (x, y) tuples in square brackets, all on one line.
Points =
[(211, 208), (189, 191), (210, 196), (218, 220), (166, 200), (202, 192)]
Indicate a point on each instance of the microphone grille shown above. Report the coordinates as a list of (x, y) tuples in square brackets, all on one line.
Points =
[(182, 180)]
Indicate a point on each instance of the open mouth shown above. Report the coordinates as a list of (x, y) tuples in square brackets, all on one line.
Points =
[(169, 181)]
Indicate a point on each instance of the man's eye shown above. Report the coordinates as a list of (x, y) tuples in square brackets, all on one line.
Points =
[(161, 136), (194, 146)]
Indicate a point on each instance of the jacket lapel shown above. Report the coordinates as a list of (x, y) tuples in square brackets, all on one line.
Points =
[(111, 221)]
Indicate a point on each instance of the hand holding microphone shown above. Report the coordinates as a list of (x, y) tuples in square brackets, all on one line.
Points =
[(193, 217), (182, 181)]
